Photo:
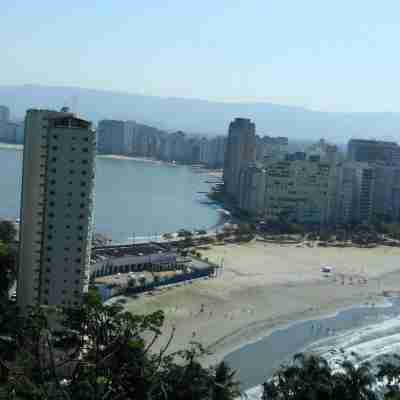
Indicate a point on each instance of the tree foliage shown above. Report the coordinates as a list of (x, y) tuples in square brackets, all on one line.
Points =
[(311, 378), (8, 232), (99, 352)]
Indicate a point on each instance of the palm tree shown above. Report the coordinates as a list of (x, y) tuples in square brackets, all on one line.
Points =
[(225, 387)]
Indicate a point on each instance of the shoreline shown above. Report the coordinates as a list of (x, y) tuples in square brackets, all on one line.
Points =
[(252, 299), (212, 172)]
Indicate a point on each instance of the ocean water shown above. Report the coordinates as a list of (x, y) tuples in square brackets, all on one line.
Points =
[(133, 199), (365, 333)]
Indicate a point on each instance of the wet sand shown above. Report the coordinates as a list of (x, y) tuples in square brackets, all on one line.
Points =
[(265, 286)]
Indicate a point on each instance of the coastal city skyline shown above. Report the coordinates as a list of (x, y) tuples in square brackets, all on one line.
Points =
[(200, 200), (281, 208)]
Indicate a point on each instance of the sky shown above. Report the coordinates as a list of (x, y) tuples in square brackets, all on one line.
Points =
[(340, 55)]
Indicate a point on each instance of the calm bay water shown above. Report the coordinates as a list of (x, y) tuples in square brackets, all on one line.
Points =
[(132, 198)]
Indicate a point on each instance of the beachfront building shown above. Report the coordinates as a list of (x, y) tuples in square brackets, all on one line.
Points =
[(300, 191), (252, 183), (386, 195), (240, 151), (323, 151), (4, 114), (355, 188), (366, 191), (271, 148), (112, 137), (361, 150), (56, 209)]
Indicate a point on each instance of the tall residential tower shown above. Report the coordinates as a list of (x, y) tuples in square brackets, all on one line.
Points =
[(56, 209), (240, 151)]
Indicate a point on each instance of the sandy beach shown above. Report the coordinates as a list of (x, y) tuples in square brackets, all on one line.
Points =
[(264, 286)]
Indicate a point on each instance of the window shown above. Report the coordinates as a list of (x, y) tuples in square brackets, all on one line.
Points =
[(83, 194), (67, 237), (69, 204), (51, 226), (49, 248), (77, 271), (79, 250), (82, 205), (55, 148), (84, 173), (55, 137), (52, 182), (73, 148), (78, 260), (52, 192), (83, 183), (81, 216), (66, 259), (84, 161), (66, 248), (51, 215), (73, 138), (54, 159), (48, 270), (68, 226), (85, 150), (86, 139), (69, 194), (71, 171), (49, 237), (51, 203), (77, 282), (53, 170), (70, 182), (48, 259), (71, 161), (80, 237), (80, 228)]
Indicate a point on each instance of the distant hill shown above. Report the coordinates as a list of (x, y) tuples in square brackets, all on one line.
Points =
[(200, 116)]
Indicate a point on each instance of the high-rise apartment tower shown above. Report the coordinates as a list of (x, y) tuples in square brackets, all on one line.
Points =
[(240, 151), (56, 209)]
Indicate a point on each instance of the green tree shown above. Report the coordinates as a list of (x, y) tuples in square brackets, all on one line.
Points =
[(225, 387), (98, 352), (310, 377), (8, 232)]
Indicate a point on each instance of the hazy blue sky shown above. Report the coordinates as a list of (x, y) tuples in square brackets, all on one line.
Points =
[(328, 55)]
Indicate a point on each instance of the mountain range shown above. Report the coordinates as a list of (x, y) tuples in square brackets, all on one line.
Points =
[(202, 116)]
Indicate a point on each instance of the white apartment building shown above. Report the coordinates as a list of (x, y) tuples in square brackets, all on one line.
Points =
[(56, 209), (300, 190)]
